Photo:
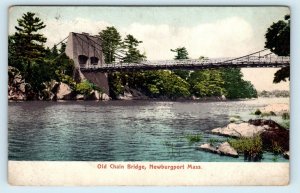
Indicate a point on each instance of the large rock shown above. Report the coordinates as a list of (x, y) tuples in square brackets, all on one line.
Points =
[(22, 87), (223, 149), (286, 155), (226, 149), (94, 95), (105, 97), (239, 130), (17, 88), (208, 147), (276, 139), (64, 92), (79, 97), (131, 94), (265, 123), (17, 97)]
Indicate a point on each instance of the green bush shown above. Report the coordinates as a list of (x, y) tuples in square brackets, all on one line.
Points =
[(194, 138), (276, 148), (251, 147), (84, 87), (285, 116), (257, 112)]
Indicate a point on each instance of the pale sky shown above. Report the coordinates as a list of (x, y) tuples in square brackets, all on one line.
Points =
[(204, 31)]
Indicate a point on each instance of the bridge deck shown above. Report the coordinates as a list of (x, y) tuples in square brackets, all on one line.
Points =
[(251, 62)]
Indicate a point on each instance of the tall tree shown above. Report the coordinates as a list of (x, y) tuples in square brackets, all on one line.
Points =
[(132, 53), (278, 41), (28, 43), (111, 43), (181, 53)]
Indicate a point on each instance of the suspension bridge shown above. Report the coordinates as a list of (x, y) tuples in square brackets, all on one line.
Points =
[(86, 51)]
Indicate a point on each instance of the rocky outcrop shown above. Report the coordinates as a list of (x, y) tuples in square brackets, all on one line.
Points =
[(247, 129), (286, 155), (131, 94), (226, 149), (64, 92), (208, 147), (223, 149), (105, 97), (275, 138), (239, 130), (93, 95), (51, 88), (265, 123), (79, 97), (18, 90)]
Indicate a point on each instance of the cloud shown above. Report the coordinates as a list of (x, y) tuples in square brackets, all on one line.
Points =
[(230, 37), (57, 30), (225, 38)]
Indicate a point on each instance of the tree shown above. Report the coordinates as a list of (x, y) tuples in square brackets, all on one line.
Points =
[(13, 59), (132, 53), (181, 54), (111, 43), (278, 41), (206, 83), (235, 86), (28, 43)]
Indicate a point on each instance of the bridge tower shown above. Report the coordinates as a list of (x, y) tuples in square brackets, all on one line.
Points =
[(86, 51)]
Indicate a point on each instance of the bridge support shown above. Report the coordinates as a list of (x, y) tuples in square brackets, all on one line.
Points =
[(86, 51), (99, 79)]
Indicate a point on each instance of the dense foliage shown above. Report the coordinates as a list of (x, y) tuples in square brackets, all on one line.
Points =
[(177, 83), (36, 63), (278, 41)]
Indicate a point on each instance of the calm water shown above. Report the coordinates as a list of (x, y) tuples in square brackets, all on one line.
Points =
[(121, 130)]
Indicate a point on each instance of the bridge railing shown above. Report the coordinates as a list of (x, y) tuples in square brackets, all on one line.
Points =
[(169, 64)]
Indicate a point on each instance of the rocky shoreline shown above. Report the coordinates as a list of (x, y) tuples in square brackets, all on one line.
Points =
[(19, 90), (272, 136)]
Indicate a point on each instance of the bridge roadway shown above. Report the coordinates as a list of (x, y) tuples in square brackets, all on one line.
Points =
[(191, 64)]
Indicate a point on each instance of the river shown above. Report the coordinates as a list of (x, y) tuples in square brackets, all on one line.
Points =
[(122, 130)]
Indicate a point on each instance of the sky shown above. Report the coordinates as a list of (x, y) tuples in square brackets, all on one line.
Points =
[(204, 31)]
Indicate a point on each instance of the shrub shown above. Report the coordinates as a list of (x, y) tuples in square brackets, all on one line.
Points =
[(251, 147), (257, 112), (194, 138), (213, 141), (285, 116), (84, 87), (276, 148)]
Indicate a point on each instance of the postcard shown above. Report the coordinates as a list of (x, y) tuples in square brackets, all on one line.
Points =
[(148, 95)]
